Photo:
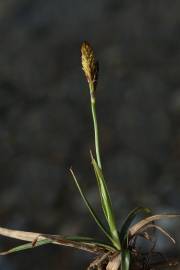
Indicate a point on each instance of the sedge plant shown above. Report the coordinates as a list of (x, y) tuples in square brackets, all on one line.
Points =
[(119, 249)]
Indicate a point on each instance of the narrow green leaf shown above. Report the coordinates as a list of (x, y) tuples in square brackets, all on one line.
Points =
[(129, 219), (106, 201), (103, 190), (27, 246), (91, 210), (102, 193), (125, 264), (82, 243)]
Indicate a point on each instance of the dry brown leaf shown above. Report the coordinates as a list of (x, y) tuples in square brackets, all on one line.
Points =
[(161, 230), (114, 263), (138, 226), (56, 239)]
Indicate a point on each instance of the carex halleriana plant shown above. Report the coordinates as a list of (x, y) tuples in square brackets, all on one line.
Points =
[(119, 249)]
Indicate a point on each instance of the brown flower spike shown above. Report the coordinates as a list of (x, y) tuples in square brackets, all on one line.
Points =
[(89, 64)]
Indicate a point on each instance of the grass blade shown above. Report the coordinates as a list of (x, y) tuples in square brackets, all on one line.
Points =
[(106, 202), (91, 210), (125, 263), (103, 191), (38, 239), (26, 246), (129, 219)]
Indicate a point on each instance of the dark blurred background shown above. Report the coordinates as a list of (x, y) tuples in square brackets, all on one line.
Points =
[(45, 120)]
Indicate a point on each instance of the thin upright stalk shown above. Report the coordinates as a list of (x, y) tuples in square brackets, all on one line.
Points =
[(111, 221), (96, 131), (91, 70)]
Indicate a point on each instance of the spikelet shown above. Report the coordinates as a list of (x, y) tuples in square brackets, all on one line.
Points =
[(89, 65)]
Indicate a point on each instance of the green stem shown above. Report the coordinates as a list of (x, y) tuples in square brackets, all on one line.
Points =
[(112, 224), (96, 132)]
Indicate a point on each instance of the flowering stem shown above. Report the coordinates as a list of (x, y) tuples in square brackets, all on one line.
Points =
[(96, 132), (91, 68), (111, 219)]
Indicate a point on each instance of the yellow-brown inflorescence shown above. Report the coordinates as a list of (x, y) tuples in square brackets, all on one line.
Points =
[(89, 64)]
